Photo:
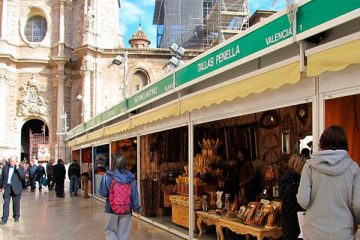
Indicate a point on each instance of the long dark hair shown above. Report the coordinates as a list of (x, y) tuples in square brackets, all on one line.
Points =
[(118, 162), (333, 138)]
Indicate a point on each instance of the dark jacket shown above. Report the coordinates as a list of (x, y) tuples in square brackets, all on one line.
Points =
[(50, 169), (32, 171), (40, 172), (18, 174), (289, 184), (59, 172), (122, 177), (74, 169)]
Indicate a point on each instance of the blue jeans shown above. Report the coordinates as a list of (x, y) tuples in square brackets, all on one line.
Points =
[(74, 185), (32, 183)]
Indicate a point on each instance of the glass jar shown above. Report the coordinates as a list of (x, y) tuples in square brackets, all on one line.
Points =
[(227, 201)]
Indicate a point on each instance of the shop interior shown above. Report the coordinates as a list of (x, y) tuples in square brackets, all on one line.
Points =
[(128, 148), (101, 164), (238, 161), (345, 111), (75, 155), (86, 162), (163, 158)]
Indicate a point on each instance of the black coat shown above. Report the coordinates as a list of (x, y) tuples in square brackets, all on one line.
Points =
[(59, 172), (289, 184), (18, 174), (74, 169), (40, 172)]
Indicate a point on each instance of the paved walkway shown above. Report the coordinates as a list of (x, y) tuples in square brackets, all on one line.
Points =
[(43, 216)]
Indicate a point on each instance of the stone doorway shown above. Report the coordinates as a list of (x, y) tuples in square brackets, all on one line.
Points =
[(35, 141)]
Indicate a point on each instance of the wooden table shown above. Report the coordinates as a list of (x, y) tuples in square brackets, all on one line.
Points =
[(209, 219), (240, 228)]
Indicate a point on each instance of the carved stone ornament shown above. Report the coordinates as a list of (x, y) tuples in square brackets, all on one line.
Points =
[(31, 102)]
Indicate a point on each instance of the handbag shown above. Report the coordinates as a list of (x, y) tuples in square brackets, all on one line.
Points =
[(44, 181)]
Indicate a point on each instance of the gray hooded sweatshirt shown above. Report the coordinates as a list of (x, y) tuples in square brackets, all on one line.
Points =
[(330, 192)]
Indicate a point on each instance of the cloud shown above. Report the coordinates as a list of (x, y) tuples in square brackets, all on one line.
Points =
[(266, 5), (147, 3), (130, 12)]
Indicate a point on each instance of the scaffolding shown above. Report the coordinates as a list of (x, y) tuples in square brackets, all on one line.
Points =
[(179, 21), (199, 24), (224, 19)]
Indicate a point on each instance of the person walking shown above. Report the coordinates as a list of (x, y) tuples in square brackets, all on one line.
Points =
[(39, 175), (74, 176), (85, 178), (118, 186), (330, 189), (11, 184), (50, 173), (1, 168), (289, 184), (32, 175), (59, 177)]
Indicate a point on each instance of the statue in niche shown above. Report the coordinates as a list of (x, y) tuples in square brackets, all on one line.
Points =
[(31, 102), (90, 16)]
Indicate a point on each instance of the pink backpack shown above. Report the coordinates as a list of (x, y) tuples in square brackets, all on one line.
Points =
[(120, 197)]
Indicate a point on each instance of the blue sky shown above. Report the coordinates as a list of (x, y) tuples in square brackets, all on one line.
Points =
[(132, 10)]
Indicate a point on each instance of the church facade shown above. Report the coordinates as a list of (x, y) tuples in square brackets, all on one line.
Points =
[(57, 70)]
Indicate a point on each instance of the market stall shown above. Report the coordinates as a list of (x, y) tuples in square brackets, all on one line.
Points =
[(164, 157), (237, 164)]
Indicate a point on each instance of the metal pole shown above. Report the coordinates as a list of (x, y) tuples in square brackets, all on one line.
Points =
[(125, 90)]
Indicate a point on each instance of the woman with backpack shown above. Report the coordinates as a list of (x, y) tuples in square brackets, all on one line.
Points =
[(118, 186)]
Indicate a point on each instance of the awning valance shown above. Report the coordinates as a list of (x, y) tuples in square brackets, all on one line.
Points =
[(157, 114), (72, 143), (95, 135), (82, 139), (334, 59), (273, 79), (117, 128)]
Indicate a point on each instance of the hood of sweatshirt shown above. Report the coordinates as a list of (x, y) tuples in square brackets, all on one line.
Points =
[(330, 162), (122, 177)]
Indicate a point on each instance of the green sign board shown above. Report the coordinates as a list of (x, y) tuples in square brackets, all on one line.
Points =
[(93, 122), (151, 92), (79, 129), (268, 35), (317, 12), (114, 111)]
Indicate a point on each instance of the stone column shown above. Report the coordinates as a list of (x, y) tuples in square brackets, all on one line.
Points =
[(87, 95), (3, 113), (60, 127), (62, 22), (4, 18), (61, 44)]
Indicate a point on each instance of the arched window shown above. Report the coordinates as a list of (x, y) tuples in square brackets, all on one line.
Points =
[(35, 28), (138, 81)]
